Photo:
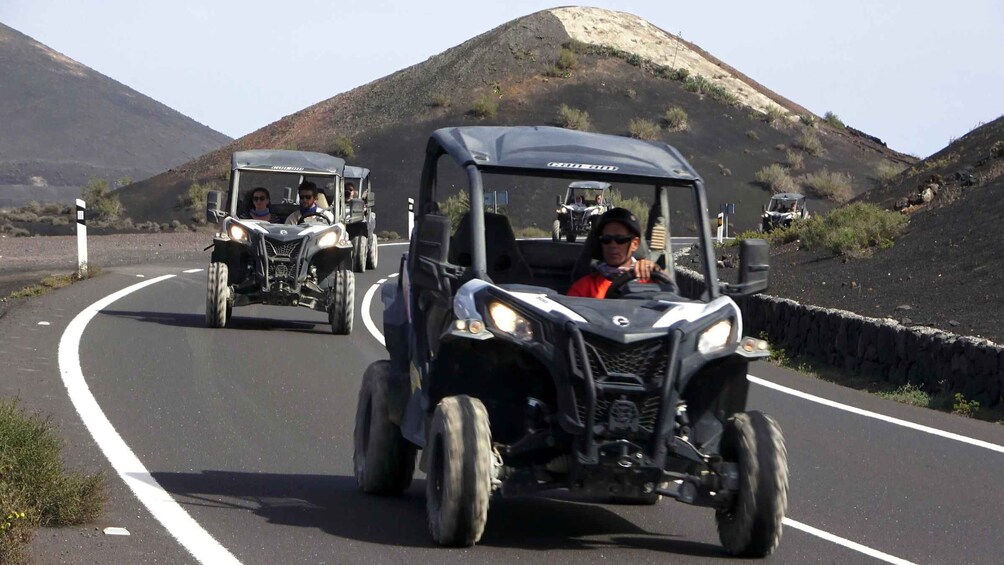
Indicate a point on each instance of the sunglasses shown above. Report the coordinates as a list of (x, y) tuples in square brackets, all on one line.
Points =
[(260, 198), (618, 239), (306, 197)]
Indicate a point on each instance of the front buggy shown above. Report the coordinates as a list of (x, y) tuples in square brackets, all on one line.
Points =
[(583, 204), (360, 219), (264, 261), (509, 387)]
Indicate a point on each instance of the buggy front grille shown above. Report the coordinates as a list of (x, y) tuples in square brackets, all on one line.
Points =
[(287, 249), (646, 360), (647, 410)]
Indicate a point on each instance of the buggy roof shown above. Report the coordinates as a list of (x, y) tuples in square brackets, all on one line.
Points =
[(353, 172), (787, 196), (590, 184), (281, 160), (559, 152)]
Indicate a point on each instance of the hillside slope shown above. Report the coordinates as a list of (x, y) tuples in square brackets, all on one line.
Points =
[(615, 66), (64, 123)]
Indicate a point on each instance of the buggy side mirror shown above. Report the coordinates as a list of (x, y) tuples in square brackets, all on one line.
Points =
[(430, 266), (370, 199), (754, 265), (214, 207)]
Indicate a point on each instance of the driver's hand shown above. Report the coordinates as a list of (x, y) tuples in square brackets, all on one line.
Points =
[(643, 269)]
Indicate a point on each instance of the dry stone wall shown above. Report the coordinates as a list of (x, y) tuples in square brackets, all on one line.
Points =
[(882, 349)]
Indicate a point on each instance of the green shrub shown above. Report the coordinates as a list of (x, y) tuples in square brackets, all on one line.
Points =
[(795, 160), (195, 197), (35, 489), (963, 407), (56, 209), (853, 230), (531, 231), (809, 142), (833, 120), (676, 118), (833, 186), (885, 171), (33, 207), (775, 178), (344, 149), (808, 120), (572, 118), (455, 207), (775, 115), (486, 106), (9, 229), (753, 135), (386, 235), (640, 128), (997, 149), (102, 203), (636, 205), (439, 101), (567, 60)]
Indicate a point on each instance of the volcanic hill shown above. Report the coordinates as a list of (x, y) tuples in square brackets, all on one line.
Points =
[(613, 65), (62, 123)]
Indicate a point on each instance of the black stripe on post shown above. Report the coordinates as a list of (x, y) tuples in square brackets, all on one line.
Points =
[(80, 216)]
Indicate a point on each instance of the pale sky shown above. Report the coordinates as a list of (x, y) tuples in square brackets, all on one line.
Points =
[(914, 73)]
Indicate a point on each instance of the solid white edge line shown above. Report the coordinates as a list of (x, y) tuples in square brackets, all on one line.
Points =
[(876, 415), (158, 501), (846, 543), (365, 308)]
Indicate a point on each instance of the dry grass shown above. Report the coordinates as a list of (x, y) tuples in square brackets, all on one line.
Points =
[(640, 128), (776, 179)]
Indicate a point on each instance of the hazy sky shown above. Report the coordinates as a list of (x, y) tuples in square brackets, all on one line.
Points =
[(914, 73)]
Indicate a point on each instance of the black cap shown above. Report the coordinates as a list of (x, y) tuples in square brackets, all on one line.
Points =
[(622, 215)]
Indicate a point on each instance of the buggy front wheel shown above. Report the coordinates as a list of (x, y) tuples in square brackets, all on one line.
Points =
[(218, 307), (384, 461), (556, 230), (459, 471), (751, 525), (341, 302), (372, 252), (359, 253)]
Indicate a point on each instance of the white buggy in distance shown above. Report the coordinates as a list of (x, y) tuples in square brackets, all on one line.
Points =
[(584, 203)]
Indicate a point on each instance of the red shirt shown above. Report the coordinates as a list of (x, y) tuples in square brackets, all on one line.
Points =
[(593, 285)]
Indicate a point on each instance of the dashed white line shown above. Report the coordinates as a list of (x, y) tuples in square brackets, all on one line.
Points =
[(876, 415), (157, 500), (189, 271)]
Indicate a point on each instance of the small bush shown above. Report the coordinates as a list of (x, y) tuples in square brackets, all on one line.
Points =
[(640, 128), (486, 106), (572, 118), (439, 101), (795, 160), (833, 186), (631, 93), (775, 178), (854, 230), (194, 198), (455, 207), (636, 205), (9, 229), (809, 142), (55, 208), (997, 149), (102, 204), (33, 207), (775, 115), (634, 59), (344, 149), (808, 120), (751, 134), (833, 120), (386, 235), (885, 171), (567, 60), (963, 407), (676, 118)]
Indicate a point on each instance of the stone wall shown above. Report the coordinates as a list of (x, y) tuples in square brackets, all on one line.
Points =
[(882, 349)]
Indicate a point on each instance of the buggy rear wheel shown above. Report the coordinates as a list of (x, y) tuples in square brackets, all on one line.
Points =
[(218, 307), (372, 252), (384, 461), (359, 253), (342, 302), (751, 526), (459, 471), (556, 230)]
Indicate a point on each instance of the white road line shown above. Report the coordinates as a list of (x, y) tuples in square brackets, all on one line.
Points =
[(876, 415), (189, 271), (158, 501), (788, 521), (846, 543)]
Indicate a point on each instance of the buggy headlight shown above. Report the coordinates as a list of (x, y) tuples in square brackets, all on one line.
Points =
[(510, 321), (715, 338), (330, 239), (238, 233)]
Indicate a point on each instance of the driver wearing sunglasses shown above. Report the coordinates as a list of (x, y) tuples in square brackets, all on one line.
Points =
[(620, 236)]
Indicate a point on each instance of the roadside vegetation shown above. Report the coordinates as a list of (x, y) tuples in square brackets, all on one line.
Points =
[(640, 128), (675, 118), (775, 178), (35, 488), (53, 282), (572, 118), (834, 186), (485, 106)]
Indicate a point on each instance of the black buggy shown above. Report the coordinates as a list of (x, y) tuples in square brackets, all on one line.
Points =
[(360, 219), (509, 387), (261, 262), (582, 206)]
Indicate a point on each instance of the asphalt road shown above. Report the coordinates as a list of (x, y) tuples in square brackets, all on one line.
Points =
[(242, 445)]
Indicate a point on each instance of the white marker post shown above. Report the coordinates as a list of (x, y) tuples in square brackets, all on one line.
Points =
[(411, 216), (721, 218), (81, 240)]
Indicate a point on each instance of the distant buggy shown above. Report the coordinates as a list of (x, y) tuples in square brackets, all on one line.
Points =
[(782, 210), (360, 219), (584, 203), (510, 387), (258, 262)]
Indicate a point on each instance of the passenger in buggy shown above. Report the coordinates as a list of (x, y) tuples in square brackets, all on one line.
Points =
[(619, 238), (261, 204)]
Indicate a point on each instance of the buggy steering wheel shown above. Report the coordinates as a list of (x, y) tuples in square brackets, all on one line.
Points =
[(660, 277), (321, 214)]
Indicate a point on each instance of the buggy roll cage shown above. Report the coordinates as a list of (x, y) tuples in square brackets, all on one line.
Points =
[(304, 163), (551, 152)]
